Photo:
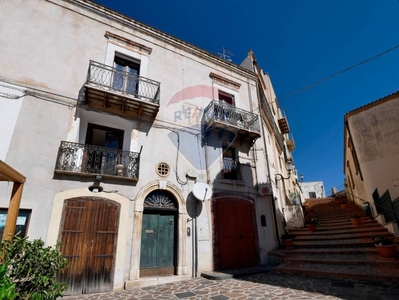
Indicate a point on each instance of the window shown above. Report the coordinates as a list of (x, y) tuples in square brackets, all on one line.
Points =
[(231, 165), (22, 221), (126, 78), (104, 158), (312, 194), (225, 97)]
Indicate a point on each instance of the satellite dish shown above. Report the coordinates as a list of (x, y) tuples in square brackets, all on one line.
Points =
[(202, 191)]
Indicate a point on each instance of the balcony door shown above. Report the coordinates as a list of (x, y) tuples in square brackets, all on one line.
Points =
[(126, 79), (104, 157)]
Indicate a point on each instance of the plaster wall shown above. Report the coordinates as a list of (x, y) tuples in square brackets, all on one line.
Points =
[(375, 135), (8, 114)]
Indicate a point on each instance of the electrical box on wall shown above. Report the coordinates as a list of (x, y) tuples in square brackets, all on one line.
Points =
[(265, 189)]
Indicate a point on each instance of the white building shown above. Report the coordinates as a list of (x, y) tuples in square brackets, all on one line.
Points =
[(313, 189), (114, 122)]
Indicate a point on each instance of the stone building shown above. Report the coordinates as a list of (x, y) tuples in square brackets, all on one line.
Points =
[(120, 129)]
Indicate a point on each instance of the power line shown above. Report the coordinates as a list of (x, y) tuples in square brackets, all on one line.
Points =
[(338, 73)]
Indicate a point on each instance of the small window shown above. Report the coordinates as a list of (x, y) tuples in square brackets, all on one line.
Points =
[(22, 221), (312, 194), (231, 165), (163, 169)]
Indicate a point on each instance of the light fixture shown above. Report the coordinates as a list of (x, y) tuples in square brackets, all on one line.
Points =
[(96, 188), (289, 165)]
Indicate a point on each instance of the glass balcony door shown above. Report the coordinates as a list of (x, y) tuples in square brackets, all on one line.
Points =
[(126, 77)]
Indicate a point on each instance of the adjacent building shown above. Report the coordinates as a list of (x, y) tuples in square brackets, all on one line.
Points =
[(371, 158), (121, 129), (313, 189)]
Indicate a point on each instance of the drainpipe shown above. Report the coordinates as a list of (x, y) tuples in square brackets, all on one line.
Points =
[(276, 231)]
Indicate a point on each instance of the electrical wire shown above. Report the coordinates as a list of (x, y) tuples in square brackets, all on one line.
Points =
[(338, 73)]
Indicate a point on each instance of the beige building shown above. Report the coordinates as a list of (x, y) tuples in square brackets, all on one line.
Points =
[(150, 159), (371, 158)]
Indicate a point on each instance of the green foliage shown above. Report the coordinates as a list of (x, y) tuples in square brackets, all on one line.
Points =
[(7, 288), (33, 268), (383, 240)]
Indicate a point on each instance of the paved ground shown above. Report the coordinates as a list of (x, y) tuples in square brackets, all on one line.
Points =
[(263, 286)]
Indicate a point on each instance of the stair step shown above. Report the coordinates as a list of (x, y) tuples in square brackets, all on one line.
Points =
[(354, 242), (342, 236), (338, 249), (357, 229), (376, 273)]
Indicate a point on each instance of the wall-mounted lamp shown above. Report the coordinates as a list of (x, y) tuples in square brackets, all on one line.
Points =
[(289, 166), (96, 187)]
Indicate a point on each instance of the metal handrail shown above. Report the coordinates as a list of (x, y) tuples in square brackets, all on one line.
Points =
[(89, 159), (232, 115), (375, 204), (112, 79)]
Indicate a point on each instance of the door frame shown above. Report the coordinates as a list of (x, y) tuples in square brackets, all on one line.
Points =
[(215, 225), (181, 232), (121, 257)]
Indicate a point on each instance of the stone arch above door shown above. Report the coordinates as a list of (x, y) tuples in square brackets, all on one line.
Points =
[(137, 226)]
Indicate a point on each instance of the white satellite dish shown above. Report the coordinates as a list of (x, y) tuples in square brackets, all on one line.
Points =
[(202, 191)]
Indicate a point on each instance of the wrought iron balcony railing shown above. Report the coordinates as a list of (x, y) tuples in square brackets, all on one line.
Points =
[(88, 159), (112, 79), (223, 112)]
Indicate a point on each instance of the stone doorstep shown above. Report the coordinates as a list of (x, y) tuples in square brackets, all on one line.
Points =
[(358, 230), (228, 274)]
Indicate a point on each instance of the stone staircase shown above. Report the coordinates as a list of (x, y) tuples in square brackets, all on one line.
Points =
[(338, 249)]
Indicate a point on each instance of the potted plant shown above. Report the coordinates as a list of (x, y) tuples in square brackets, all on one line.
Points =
[(344, 205), (288, 240), (386, 247), (356, 220), (311, 224)]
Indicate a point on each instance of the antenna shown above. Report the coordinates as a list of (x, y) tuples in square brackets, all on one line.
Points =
[(226, 54)]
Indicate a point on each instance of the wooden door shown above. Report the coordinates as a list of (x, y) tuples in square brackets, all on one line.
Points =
[(88, 236), (158, 244), (236, 234)]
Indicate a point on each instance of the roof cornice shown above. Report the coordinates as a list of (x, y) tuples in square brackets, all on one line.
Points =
[(370, 105), (157, 34)]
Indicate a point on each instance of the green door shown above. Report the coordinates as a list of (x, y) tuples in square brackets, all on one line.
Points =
[(157, 244)]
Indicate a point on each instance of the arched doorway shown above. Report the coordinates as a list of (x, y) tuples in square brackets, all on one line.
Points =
[(236, 233), (88, 232), (158, 235)]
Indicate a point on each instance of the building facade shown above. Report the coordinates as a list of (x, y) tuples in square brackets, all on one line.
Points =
[(371, 158), (313, 189), (118, 127)]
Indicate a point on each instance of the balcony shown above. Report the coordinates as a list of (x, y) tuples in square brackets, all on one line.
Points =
[(117, 92), (289, 140), (282, 122), (223, 116), (89, 160)]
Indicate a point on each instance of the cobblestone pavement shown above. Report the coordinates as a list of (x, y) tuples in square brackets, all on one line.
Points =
[(263, 286)]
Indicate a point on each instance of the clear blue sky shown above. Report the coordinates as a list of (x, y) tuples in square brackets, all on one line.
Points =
[(297, 42)]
